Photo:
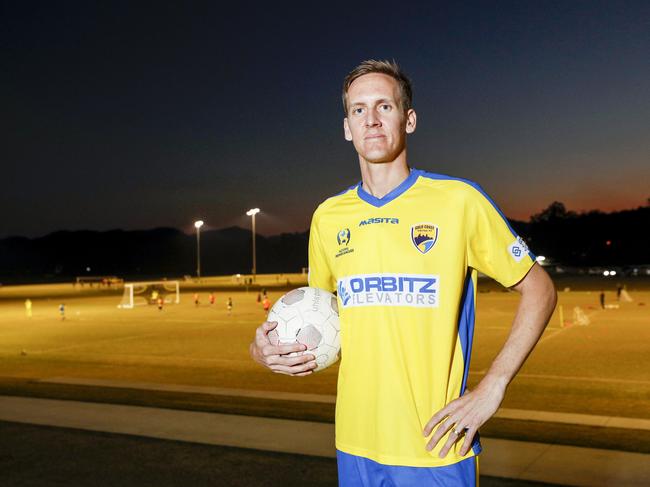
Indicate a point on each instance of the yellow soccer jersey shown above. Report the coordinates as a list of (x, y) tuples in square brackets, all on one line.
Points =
[(404, 267)]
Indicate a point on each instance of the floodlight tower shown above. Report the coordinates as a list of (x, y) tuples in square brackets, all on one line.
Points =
[(198, 224), (252, 212)]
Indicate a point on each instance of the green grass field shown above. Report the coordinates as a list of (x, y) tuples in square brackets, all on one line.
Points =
[(602, 368)]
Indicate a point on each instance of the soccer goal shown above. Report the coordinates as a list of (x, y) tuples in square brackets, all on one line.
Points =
[(141, 293)]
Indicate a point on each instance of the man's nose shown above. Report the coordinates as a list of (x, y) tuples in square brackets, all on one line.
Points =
[(372, 119)]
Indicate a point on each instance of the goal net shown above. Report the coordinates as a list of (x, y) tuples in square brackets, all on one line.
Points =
[(141, 293)]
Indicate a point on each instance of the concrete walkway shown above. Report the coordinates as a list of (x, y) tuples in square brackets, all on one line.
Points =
[(502, 458)]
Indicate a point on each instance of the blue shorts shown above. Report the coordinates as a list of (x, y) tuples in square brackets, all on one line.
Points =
[(362, 472)]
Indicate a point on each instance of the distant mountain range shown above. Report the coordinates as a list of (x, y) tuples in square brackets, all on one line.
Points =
[(161, 252), (586, 239)]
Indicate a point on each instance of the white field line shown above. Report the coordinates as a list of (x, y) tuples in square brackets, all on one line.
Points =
[(550, 331), (551, 334)]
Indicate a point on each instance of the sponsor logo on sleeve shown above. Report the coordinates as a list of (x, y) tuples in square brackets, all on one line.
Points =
[(424, 236), (518, 249), (412, 290)]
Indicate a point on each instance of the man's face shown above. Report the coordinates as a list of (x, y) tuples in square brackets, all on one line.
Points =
[(376, 123)]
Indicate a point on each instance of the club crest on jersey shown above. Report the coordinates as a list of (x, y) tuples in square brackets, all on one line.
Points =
[(343, 237), (424, 236)]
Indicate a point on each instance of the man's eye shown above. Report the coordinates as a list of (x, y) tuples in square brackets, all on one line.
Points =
[(385, 107), (357, 111)]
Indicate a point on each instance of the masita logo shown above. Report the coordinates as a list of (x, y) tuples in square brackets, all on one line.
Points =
[(415, 290), (371, 221)]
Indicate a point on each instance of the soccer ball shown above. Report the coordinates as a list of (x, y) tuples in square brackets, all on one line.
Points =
[(310, 316)]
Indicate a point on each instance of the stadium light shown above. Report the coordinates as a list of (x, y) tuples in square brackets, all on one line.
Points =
[(252, 212), (540, 259), (198, 224)]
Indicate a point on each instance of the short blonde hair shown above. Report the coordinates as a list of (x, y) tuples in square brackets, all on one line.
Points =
[(389, 68)]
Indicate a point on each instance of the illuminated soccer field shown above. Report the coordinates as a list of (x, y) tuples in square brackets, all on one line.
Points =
[(602, 368)]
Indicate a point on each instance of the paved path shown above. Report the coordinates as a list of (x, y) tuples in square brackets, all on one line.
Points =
[(48, 456), (502, 458)]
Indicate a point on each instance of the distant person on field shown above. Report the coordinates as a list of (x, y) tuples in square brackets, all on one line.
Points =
[(602, 299), (211, 299), (196, 299), (266, 304), (160, 302), (619, 289), (28, 308), (259, 297), (62, 311), (229, 305)]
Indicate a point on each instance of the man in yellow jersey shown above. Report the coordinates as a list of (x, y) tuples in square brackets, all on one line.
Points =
[(402, 249)]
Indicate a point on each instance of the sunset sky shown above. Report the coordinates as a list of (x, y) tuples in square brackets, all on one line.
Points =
[(119, 116)]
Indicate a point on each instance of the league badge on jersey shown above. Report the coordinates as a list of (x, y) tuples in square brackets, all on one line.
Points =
[(424, 236), (518, 249), (343, 237)]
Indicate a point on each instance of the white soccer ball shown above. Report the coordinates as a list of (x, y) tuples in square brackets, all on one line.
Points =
[(310, 316)]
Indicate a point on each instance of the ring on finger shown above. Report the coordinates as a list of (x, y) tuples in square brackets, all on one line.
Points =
[(462, 430)]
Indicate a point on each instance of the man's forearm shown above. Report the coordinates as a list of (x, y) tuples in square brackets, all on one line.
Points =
[(538, 298), (470, 411)]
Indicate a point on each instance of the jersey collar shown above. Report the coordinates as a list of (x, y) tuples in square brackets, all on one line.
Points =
[(387, 198)]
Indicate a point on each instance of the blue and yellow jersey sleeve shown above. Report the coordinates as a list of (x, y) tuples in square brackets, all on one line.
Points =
[(493, 247), (319, 275)]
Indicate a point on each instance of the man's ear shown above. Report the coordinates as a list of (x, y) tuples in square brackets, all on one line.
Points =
[(411, 121), (346, 130)]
